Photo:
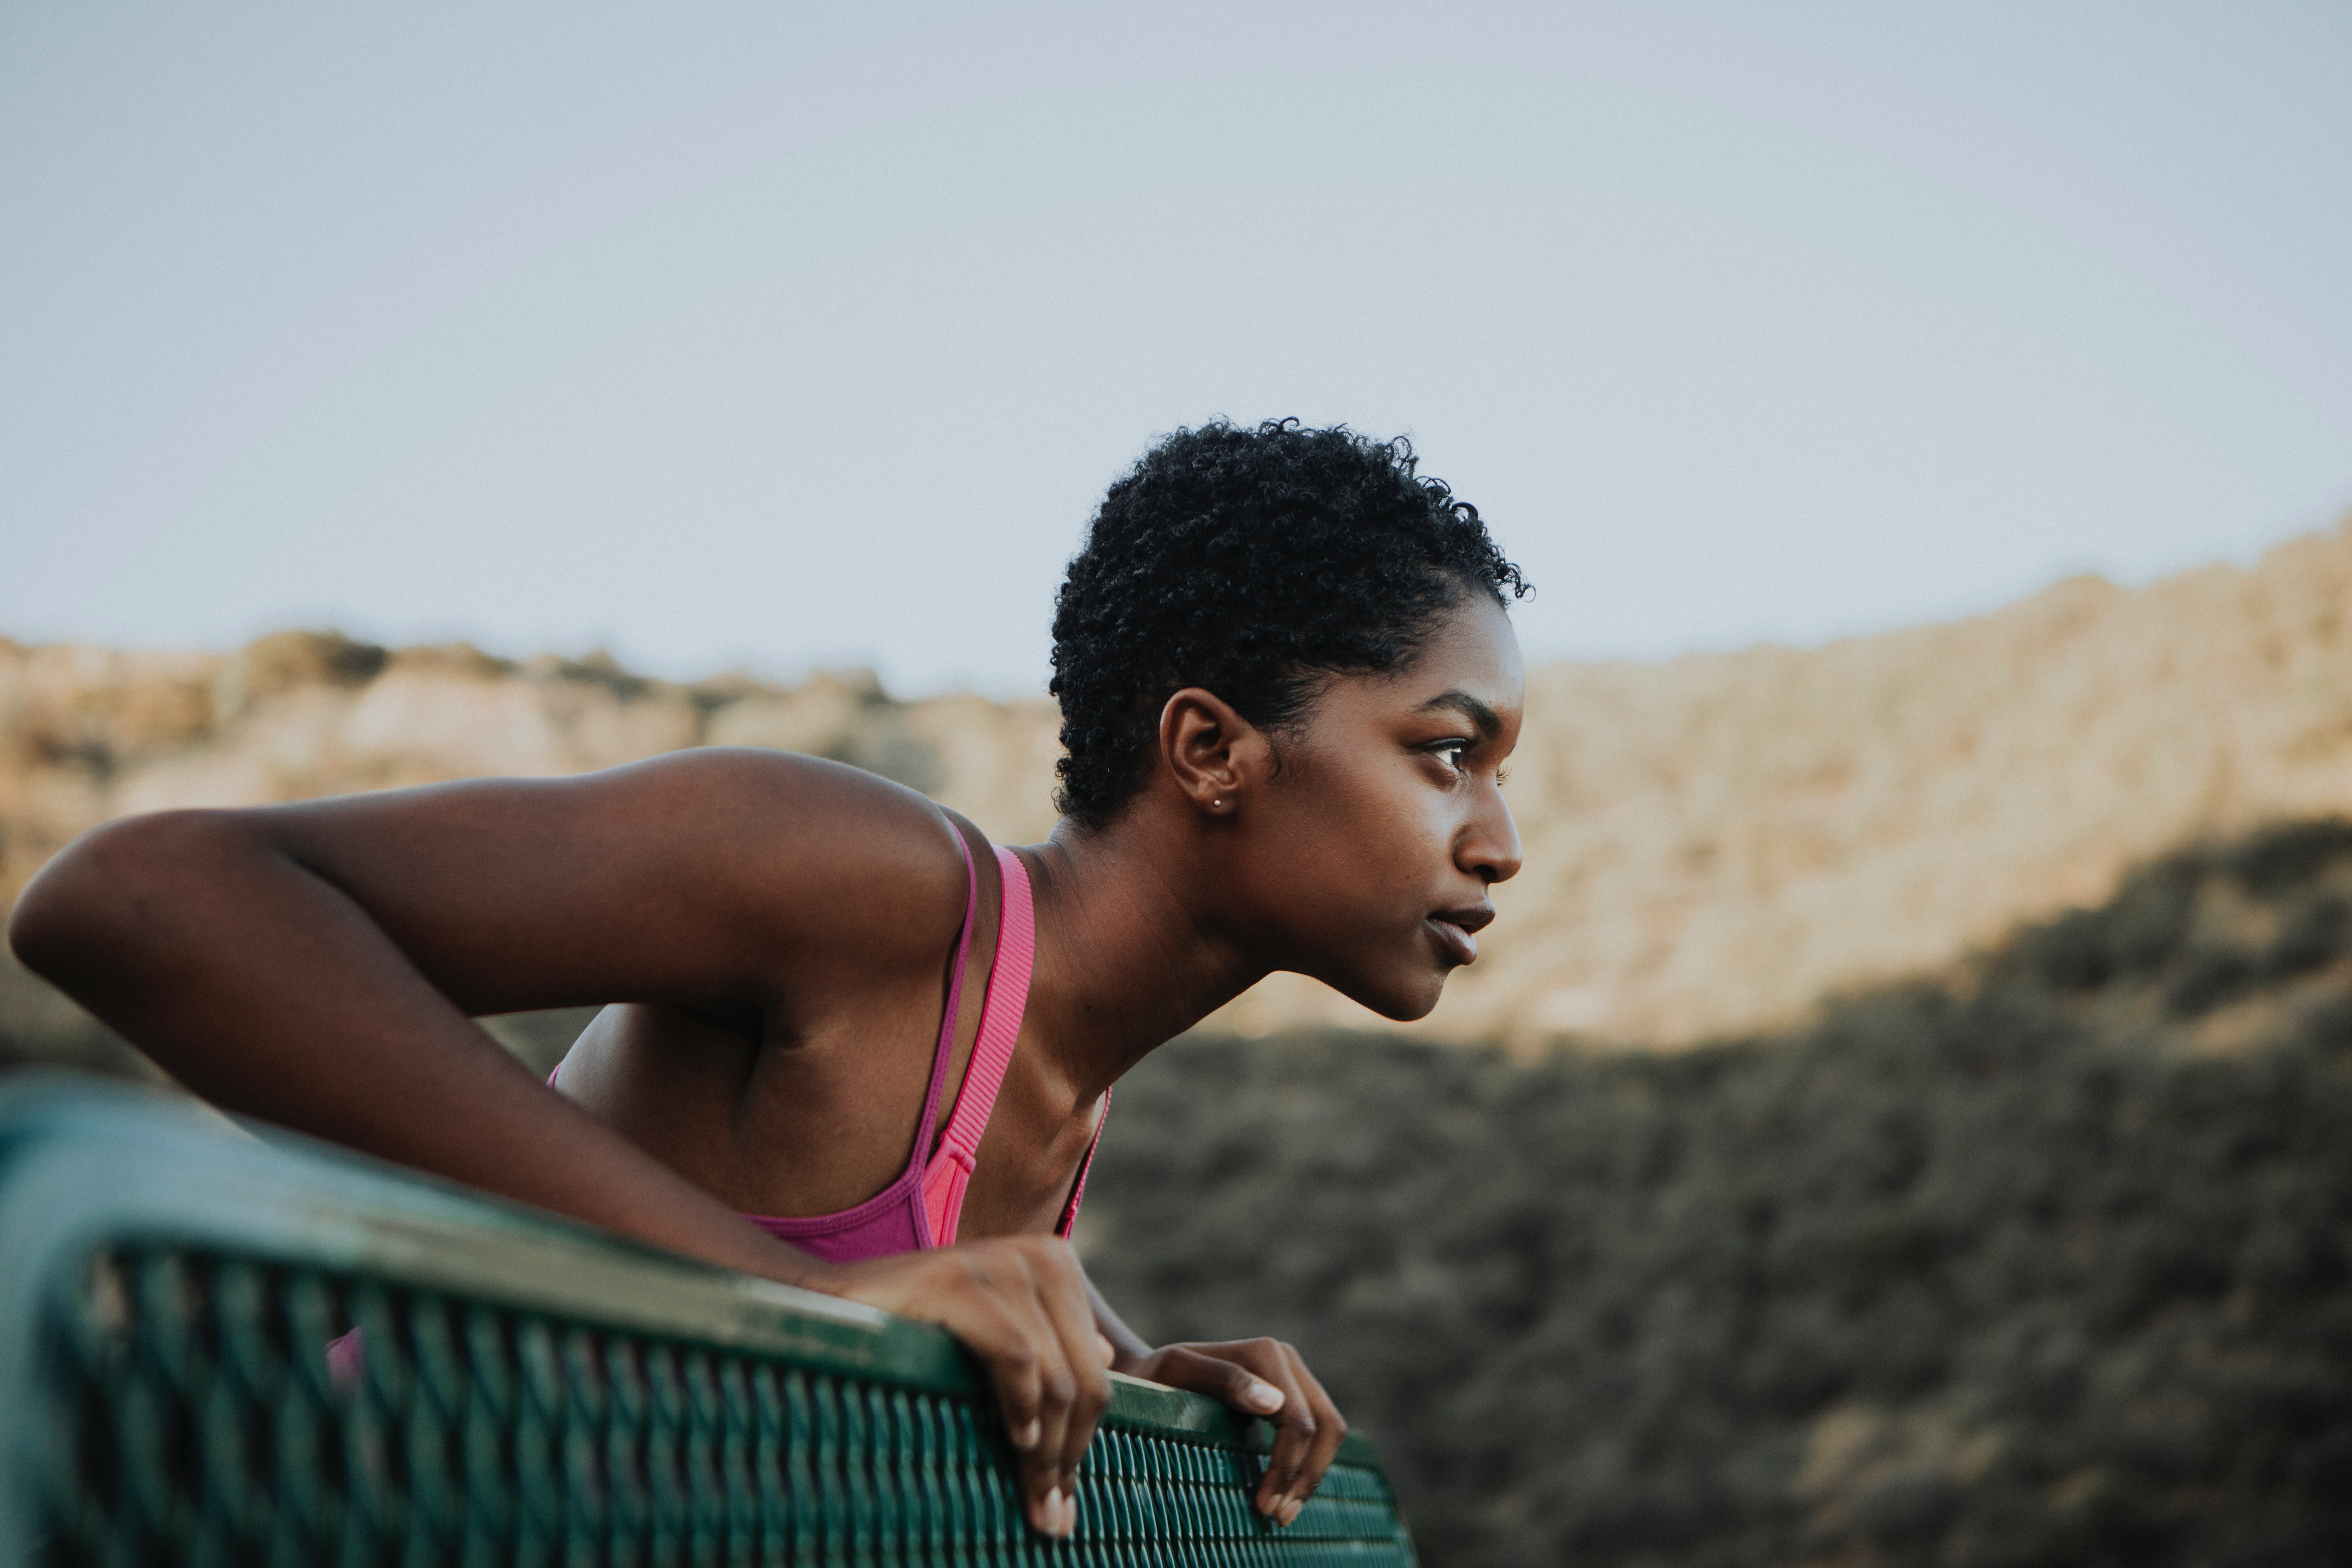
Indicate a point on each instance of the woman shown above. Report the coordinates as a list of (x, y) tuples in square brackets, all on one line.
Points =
[(1288, 684)]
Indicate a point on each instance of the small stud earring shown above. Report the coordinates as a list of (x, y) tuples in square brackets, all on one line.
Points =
[(1219, 801)]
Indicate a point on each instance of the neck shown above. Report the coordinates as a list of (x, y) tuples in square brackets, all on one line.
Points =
[(1128, 954)]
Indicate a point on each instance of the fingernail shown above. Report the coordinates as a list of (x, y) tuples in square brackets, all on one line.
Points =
[(1274, 1505), (1070, 1514), (1027, 1438), (1264, 1398), (1290, 1512), (1049, 1512)]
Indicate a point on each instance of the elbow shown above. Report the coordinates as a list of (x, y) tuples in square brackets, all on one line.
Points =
[(55, 909), (73, 916)]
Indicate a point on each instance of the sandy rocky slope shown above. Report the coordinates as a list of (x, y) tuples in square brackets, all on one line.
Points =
[(1714, 843)]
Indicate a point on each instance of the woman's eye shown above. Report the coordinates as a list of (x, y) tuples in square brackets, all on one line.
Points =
[(1455, 750)]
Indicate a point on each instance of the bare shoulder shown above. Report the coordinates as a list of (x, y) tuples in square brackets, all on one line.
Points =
[(714, 870), (716, 873), (808, 850)]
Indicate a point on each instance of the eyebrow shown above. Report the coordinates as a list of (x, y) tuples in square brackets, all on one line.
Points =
[(1469, 706)]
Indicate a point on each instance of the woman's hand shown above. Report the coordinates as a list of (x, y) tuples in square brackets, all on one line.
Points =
[(1259, 1377), (1021, 1304)]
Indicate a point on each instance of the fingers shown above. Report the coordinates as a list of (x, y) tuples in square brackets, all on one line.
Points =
[(1020, 1303), (1052, 1388), (1182, 1366), (1032, 1390), (1268, 1378), (1295, 1427), (994, 1310), (1084, 1393), (1330, 1431)]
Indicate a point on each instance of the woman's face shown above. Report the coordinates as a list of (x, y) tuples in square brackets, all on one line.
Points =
[(1375, 839)]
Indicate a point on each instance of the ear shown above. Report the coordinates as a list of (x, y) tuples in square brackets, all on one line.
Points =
[(1213, 753)]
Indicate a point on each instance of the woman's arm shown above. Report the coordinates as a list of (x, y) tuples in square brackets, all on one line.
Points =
[(1257, 1377), (319, 965)]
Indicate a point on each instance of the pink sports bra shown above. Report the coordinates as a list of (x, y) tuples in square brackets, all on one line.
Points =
[(920, 1209)]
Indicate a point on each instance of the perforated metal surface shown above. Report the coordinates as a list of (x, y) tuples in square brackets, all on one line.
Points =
[(518, 1390)]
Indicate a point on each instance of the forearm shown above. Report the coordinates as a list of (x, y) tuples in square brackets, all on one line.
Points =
[(1126, 1346), (266, 989)]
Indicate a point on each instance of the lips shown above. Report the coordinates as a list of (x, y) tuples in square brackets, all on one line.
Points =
[(1456, 929)]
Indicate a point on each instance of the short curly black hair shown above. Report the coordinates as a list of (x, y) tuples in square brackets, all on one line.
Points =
[(1251, 563)]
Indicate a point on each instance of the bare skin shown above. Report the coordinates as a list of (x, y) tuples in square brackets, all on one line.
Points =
[(769, 931)]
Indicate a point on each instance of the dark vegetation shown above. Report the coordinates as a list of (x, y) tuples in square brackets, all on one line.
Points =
[(2051, 1266), (2050, 1263)]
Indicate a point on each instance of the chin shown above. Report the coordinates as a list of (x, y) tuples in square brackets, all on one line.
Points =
[(1399, 1003)]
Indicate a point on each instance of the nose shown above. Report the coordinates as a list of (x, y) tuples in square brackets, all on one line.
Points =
[(1488, 847)]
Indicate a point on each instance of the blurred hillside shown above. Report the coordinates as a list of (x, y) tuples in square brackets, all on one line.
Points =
[(2038, 1256), (1714, 843), (2046, 1266)]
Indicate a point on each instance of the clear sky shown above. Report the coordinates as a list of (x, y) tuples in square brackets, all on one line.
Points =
[(789, 336)]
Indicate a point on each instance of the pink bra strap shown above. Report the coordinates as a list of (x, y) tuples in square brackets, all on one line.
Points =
[(999, 1018), (943, 1054), (1078, 1192), (992, 1054)]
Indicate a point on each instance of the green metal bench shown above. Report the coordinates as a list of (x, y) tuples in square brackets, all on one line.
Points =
[(525, 1390)]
